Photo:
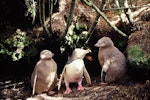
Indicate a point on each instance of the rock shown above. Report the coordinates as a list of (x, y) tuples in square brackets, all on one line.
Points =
[(138, 50)]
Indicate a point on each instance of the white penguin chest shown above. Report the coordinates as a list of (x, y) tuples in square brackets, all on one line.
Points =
[(76, 65), (75, 69)]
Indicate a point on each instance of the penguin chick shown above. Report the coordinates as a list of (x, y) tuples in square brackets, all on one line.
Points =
[(44, 76), (112, 60), (74, 70)]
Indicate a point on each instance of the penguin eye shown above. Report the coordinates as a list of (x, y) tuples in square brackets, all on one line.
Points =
[(103, 42)]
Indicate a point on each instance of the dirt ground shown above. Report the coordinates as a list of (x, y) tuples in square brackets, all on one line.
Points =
[(20, 89)]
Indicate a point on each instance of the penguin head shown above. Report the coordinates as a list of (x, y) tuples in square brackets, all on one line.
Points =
[(46, 54), (104, 42), (79, 53)]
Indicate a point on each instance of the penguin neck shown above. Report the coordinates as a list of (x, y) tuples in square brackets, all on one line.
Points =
[(45, 59), (72, 59)]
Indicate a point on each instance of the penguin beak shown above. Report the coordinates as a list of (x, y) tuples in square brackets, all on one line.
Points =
[(102, 45), (96, 45), (99, 45), (88, 50), (53, 54)]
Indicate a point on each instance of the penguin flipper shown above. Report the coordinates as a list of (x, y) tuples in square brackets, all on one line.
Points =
[(61, 77), (34, 83), (53, 80), (103, 76), (87, 76)]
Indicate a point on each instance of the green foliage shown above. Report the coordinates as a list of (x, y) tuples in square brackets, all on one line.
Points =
[(138, 58), (31, 9), (14, 45), (81, 26), (74, 38)]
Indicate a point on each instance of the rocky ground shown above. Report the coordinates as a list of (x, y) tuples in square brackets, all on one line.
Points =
[(20, 89)]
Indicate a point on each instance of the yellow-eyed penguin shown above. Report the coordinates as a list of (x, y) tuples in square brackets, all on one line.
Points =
[(74, 70)]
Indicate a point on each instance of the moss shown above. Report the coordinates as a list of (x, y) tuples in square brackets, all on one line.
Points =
[(138, 63), (135, 53), (138, 58)]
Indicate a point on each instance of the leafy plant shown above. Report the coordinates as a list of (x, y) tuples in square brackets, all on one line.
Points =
[(137, 56), (31, 9), (74, 38), (15, 45)]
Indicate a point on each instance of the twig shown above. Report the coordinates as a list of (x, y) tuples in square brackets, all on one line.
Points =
[(128, 12), (120, 12), (90, 31), (105, 18), (43, 18), (40, 12), (34, 7), (127, 7), (70, 15), (50, 13)]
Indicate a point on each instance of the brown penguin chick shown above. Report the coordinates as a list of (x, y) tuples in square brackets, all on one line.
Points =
[(112, 60), (74, 70), (44, 76)]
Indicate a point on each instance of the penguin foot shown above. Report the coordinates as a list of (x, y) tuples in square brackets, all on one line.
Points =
[(68, 91), (80, 88), (103, 83), (51, 93)]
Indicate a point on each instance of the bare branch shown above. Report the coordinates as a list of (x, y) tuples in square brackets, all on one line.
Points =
[(70, 15), (127, 7), (105, 18), (90, 31)]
